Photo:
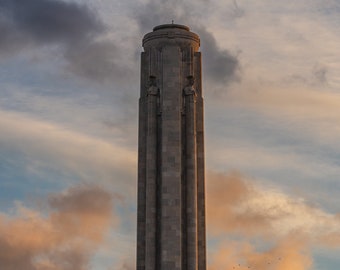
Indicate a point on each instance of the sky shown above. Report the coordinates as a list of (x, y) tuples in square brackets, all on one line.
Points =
[(69, 86)]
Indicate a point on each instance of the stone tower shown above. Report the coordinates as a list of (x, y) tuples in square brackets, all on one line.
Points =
[(171, 189)]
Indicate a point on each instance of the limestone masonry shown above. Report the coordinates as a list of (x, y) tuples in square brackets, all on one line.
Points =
[(171, 188)]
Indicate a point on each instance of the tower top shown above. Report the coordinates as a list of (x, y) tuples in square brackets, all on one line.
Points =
[(167, 26), (166, 34)]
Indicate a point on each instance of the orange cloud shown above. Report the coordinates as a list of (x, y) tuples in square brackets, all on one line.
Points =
[(64, 238), (236, 205), (225, 194), (126, 264), (289, 253), (274, 231)]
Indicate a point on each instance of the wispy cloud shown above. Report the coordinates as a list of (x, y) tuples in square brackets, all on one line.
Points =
[(315, 110), (45, 145)]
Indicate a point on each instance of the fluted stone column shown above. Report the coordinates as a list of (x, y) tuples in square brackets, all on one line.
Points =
[(191, 174), (151, 173)]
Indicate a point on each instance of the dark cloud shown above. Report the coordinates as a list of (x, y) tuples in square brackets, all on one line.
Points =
[(317, 77), (219, 64), (73, 27), (320, 74), (236, 11), (80, 34), (97, 60), (45, 21), (40, 22)]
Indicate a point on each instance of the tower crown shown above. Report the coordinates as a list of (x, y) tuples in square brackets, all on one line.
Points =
[(167, 26), (171, 34)]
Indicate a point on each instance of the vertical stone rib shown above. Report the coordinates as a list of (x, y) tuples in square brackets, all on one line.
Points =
[(141, 172), (151, 178), (191, 179), (141, 190), (201, 231), (171, 247)]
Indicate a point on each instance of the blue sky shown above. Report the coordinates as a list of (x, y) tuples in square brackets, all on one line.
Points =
[(69, 76)]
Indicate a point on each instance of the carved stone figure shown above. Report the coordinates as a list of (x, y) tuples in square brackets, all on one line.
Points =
[(189, 89), (153, 90)]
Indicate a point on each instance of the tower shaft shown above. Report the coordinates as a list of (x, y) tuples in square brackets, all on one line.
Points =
[(171, 189)]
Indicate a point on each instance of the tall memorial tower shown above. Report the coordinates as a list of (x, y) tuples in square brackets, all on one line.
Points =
[(171, 188)]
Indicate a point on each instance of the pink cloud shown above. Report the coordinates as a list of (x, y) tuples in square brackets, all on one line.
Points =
[(64, 238)]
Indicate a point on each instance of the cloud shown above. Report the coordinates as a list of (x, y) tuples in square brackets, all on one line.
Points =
[(305, 106), (43, 22), (46, 146), (66, 237), (267, 223), (236, 205), (320, 74), (49, 21), (253, 152), (127, 264), (92, 205), (289, 253), (227, 194), (220, 65), (278, 41), (74, 28), (98, 60)]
